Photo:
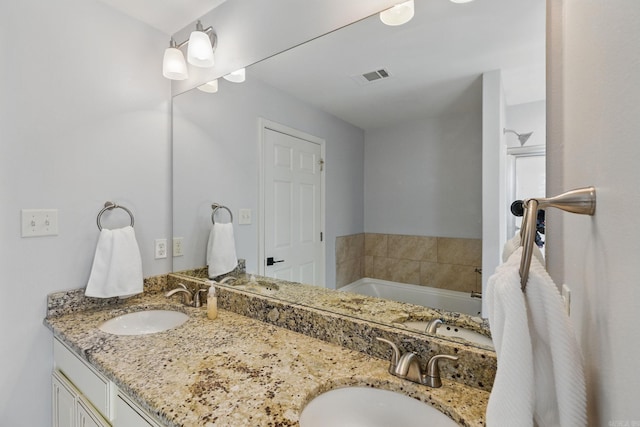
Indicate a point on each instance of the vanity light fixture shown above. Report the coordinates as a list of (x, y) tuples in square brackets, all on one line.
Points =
[(202, 43), (461, 1), (209, 87), (399, 14), (237, 76), (174, 66), (200, 51)]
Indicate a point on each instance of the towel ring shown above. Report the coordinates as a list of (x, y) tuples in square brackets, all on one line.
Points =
[(215, 208), (580, 201), (110, 206)]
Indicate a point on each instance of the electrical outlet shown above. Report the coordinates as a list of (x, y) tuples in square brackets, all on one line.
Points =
[(566, 297), (161, 248), (245, 216), (178, 246)]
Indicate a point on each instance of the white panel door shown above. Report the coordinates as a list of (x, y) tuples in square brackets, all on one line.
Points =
[(293, 207)]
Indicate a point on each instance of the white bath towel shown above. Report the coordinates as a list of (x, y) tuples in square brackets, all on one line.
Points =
[(514, 243), (221, 250), (117, 266), (540, 376), (511, 402), (558, 368)]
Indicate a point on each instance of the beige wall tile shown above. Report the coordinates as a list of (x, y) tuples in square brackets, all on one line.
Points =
[(349, 271), (341, 249), (368, 266), (375, 244), (396, 270), (428, 271), (349, 247), (417, 248), (448, 276), (478, 278), (459, 251)]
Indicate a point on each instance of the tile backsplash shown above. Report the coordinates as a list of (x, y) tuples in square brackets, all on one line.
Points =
[(439, 262)]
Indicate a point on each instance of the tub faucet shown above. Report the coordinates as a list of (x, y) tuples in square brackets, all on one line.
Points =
[(407, 366), (189, 298)]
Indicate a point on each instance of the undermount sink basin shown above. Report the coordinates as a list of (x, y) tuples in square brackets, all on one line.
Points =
[(144, 322), (370, 407)]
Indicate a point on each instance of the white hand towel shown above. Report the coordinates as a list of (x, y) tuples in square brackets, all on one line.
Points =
[(559, 376), (221, 250), (511, 402), (117, 266)]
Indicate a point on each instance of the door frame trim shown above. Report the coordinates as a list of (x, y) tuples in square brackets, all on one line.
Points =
[(513, 153), (264, 124)]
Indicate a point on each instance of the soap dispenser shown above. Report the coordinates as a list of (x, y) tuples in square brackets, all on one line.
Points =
[(212, 303)]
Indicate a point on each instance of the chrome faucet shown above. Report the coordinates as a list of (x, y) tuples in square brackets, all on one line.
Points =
[(433, 325), (407, 366), (189, 298)]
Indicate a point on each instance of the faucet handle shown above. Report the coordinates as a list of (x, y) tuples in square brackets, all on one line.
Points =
[(432, 377), (197, 300), (395, 355)]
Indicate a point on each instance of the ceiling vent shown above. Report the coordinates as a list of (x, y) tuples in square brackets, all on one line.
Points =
[(372, 76)]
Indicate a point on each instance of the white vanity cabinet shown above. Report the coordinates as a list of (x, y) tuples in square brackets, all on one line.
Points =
[(71, 408), (83, 397)]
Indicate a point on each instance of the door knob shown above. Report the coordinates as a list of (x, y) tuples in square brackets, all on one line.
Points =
[(270, 261)]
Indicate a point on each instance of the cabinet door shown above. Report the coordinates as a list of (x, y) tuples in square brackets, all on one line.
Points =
[(87, 416), (128, 414), (63, 404)]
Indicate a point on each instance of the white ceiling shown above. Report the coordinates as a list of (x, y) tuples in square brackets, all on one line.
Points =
[(436, 60), (168, 16)]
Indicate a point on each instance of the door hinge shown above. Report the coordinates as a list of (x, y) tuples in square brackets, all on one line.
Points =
[(321, 162), (321, 236)]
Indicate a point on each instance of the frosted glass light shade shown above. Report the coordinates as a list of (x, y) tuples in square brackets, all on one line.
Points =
[(237, 76), (461, 1), (398, 14), (200, 52), (210, 87), (173, 65)]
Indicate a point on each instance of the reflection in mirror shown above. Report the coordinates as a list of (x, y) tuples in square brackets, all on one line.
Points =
[(403, 174)]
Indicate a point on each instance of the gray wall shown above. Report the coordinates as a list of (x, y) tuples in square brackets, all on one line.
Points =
[(424, 177), (83, 119), (216, 159), (593, 140)]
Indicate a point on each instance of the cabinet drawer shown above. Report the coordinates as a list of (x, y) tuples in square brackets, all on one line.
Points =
[(90, 382)]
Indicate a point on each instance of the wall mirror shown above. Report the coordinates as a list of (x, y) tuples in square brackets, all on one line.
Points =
[(403, 151)]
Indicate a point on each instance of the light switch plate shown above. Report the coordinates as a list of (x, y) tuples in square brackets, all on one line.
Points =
[(39, 222), (245, 217)]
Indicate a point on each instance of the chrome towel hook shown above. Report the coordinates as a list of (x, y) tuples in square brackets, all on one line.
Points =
[(110, 206)]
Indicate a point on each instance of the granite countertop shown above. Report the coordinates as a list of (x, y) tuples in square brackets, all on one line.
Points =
[(236, 371), (368, 308)]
